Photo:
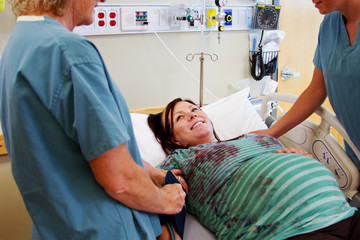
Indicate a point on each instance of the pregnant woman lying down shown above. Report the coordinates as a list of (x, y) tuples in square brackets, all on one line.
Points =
[(251, 187)]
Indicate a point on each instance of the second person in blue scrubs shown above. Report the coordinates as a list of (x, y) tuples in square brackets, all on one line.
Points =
[(336, 73)]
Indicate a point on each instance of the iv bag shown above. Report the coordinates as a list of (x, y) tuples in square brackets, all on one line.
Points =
[(2, 5)]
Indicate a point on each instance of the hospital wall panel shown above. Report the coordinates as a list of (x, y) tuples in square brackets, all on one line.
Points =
[(148, 74)]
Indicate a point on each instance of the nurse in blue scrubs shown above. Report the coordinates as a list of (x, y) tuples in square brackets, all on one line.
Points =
[(336, 73), (69, 135)]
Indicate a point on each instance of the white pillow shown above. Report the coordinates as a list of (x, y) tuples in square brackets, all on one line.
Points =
[(150, 149), (232, 116)]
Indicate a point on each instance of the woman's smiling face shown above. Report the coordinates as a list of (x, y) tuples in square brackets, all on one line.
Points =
[(191, 126)]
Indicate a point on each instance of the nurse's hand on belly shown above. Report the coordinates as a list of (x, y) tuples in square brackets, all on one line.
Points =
[(296, 151)]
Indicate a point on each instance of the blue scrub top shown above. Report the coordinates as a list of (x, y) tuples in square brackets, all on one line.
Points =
[(340, 64), (59, 110)]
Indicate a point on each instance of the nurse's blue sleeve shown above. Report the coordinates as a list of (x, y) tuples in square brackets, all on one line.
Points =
[(98, 124), (317, 56), (317, 59)]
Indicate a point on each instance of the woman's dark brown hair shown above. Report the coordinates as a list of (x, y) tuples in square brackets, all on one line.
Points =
[(164, 134)]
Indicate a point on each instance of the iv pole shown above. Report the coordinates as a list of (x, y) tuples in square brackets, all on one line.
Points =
[(190, 57)]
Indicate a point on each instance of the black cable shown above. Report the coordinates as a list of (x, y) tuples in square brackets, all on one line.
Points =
[(262, 34), (257, 62), (171, 231)]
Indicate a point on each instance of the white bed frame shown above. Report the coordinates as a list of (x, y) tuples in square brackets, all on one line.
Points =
[(315, 139)]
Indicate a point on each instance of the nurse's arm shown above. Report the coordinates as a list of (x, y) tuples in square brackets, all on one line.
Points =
[(156, 175), (127, 182), (312, 98)]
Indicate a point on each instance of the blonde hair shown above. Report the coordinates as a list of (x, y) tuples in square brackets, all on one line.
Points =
[(20, 7)]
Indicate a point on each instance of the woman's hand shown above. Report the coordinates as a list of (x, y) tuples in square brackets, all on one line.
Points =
[(295, 150)]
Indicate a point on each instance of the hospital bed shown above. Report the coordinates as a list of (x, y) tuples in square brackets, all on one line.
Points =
[(236, 115)]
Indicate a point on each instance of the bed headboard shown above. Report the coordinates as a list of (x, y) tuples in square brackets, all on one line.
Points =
[(147, 110)]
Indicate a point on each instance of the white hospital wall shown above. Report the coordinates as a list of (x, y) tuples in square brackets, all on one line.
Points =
[(148, 75)]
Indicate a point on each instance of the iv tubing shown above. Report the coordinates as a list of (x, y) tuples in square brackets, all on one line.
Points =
[(211, 30), (182, 65), (203, 17)]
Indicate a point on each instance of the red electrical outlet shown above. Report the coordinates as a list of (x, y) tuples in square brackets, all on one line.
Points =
[(101, 23), (101, 15), (106, 21), (100, 18), (113, 18), (112, 15), (113, 23)]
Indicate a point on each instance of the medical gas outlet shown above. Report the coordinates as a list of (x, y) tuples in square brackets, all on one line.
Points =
[(180, 13), (223, 18), (190, 15)]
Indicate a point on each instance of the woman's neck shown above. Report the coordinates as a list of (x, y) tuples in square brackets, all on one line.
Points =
[(351, 11), (351, 14)]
